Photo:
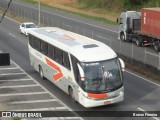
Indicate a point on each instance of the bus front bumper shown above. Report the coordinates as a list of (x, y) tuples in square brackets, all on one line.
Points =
[(86, 102)]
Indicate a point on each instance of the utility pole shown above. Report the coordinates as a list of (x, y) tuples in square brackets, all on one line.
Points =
[(39, 13)]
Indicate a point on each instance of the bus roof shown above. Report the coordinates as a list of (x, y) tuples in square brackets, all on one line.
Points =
[(83, 48)]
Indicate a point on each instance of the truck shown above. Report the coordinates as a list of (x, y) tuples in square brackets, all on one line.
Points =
[(143, 27)]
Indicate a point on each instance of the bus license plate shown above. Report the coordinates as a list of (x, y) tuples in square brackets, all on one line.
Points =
[(107, 102)]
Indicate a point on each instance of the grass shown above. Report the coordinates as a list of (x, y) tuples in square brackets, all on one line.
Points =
[(146, 71), (135, 66), (104, 20), (13, 16), (30, 1), (16, 118)]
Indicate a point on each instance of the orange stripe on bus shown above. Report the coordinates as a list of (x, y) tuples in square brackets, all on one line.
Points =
[(59, 74), (104, 95)]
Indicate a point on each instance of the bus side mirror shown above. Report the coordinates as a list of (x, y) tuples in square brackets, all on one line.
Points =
[(81, 72), (122, 64)]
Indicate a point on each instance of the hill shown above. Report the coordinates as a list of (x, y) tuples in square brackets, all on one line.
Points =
[(103, 9), (119, 5)]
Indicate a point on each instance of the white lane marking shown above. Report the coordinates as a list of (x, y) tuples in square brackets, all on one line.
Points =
[(145, 111), (140, 109), (58, 118), (68, 18), (11, 68), (12, 35), (102, 37), (46, 90), (126, 70), (97, 27), (14, 80), (12, 19), (70, 118), (66, 25), (41, 109), (33, 101), (46, 118), (19, 86), (21, 94), (11, 74), (156, 118), (143, 78), (153, 54)]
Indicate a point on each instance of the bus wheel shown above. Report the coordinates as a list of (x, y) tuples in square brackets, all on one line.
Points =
[(41, 72), (71, 93)]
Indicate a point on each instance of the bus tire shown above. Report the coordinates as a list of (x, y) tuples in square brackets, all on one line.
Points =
[(41, 73), (71, 94)]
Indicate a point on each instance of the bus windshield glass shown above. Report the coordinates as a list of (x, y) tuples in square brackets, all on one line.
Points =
[(103, 76)]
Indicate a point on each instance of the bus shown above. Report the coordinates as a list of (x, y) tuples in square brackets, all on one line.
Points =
[(87, 70)]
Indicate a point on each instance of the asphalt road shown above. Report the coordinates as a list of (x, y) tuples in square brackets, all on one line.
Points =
[(140, 94), (90, 28)]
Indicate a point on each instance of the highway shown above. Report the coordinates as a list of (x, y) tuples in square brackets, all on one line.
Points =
[(140, 94), (90, 28)]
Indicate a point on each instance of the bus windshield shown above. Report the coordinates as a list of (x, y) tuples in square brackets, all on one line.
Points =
[(103, 76)]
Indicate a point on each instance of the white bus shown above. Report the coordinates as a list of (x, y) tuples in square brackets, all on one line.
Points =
[(88, 70)]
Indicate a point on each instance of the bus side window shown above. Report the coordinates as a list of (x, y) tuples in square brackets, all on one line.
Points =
[(66, 61), (44, 47), (37, 44), (75, 68), (50, 51), (31, 40), (58, 55)]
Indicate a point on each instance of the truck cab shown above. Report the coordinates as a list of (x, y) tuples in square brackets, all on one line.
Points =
[(129, 23)]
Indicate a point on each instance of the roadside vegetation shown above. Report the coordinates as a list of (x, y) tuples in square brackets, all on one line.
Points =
[(118, 5), (17, 118), (101, 8)]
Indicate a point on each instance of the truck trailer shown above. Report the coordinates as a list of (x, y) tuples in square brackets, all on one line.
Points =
[(143, 27)]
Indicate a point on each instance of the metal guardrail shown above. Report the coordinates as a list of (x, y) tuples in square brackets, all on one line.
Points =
[(142, 54)]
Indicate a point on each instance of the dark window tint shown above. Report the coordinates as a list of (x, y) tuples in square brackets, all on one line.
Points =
[(75, 68), (31, 40), (121, 21), (58, 55), (90, 46), (50, 51), (66, 62), (44, 47), (30, 26), (37, 44)]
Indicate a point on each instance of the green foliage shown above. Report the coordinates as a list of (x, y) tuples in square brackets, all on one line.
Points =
[(119, 5), (30, 1), (16, 118), (105, 4)]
